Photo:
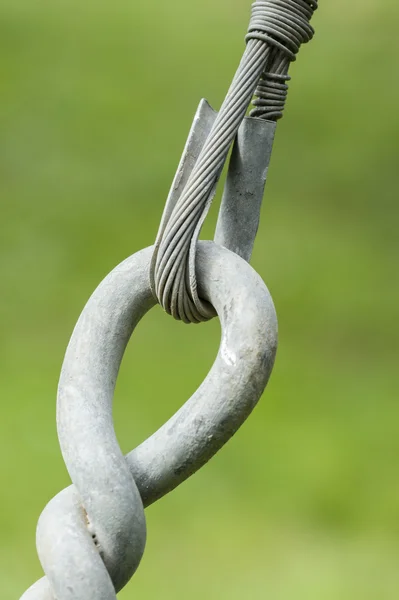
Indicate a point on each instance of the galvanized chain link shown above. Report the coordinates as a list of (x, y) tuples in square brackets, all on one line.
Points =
[(91, 536), (276, 31)]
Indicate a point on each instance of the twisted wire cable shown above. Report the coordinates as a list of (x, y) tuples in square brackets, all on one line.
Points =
[(276, 31), (173, 273)]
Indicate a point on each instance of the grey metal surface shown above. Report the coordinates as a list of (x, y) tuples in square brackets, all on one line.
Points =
[(203, 122), (239, 214), (97, 526)]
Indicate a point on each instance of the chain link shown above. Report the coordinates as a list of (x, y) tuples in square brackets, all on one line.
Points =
[(90, 553)]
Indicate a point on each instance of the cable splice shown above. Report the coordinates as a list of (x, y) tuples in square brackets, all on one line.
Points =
[(284, 25)]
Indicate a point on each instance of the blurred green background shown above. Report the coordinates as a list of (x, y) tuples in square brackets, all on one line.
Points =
[(96, 100)]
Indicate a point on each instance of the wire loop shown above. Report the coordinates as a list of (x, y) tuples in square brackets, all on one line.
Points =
[(276, 31)]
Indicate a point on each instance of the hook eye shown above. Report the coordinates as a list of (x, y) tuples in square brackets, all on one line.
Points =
[(102, 477)]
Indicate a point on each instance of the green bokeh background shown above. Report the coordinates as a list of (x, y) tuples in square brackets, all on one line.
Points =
[(96, 100)]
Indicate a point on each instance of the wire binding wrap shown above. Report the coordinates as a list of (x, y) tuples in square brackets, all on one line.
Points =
[(282, 23), (285, 25), (271, 95), (276, 31)]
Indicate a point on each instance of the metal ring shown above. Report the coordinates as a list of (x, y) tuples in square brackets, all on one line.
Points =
[(102, 478)]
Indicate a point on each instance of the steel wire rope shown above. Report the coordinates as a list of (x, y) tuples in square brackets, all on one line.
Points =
[(276, 31)]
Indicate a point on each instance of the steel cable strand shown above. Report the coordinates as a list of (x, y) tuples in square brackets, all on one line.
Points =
[(207, 167), (178, 233)]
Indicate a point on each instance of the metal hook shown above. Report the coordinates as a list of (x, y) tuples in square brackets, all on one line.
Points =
[(113, 490)]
